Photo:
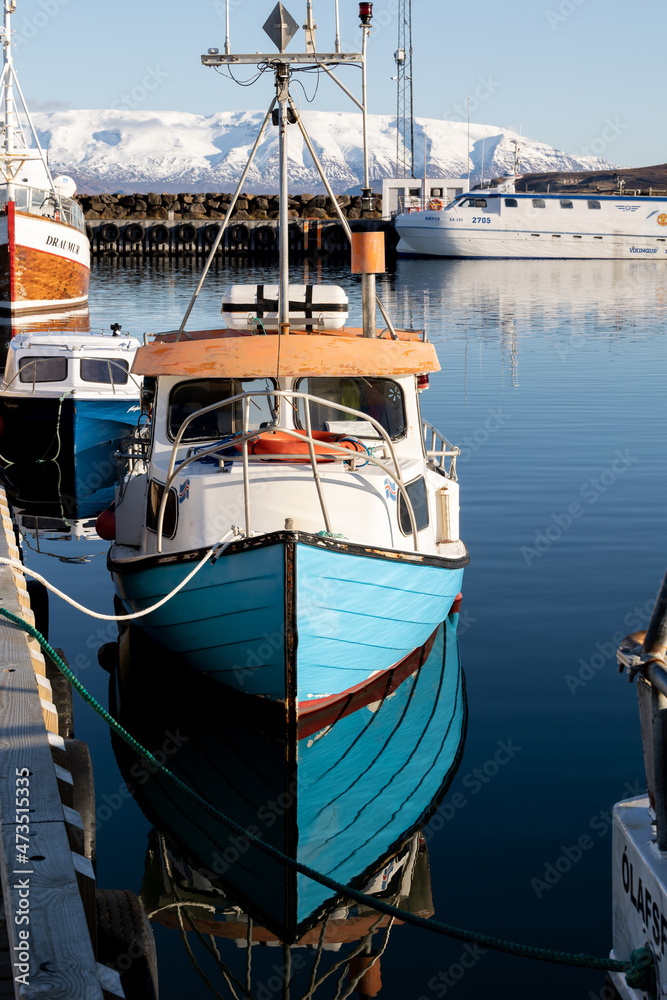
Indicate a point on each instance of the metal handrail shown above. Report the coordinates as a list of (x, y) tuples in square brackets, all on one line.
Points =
[(437, 455), (337, 452), (35, 361)]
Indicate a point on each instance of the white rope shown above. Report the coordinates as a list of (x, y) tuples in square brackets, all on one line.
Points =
[(16, 564)]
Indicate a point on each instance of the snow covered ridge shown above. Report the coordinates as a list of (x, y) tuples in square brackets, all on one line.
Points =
[(141, 151)]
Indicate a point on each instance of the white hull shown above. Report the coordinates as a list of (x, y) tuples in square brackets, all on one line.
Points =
[(530, 227)]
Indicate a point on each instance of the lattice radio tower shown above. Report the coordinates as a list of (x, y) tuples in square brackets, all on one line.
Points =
[(405, 139)]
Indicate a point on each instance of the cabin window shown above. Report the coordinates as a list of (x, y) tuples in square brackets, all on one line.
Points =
[(479, 202), (196, 394), (42, 369), (155, 491), (416, 491), (38, 200), (539, 203), (110, 371), (22, 199), (415, 192), (436, 192), (379, 398), (566, 204), (511, 203), (594, 204)]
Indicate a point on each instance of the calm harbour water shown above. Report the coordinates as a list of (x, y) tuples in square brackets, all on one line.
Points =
[(552, 384)]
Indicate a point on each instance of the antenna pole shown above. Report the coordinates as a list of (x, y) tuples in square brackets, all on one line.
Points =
[(337, 42), (228, 47), (468, 144)]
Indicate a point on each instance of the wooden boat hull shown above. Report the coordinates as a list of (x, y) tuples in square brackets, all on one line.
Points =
[(44, 264), (343, 800), (292, 616)]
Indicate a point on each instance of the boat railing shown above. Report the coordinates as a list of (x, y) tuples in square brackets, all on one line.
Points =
[(391, 468), (438, 449)]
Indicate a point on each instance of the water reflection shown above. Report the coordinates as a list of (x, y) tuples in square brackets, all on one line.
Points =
[(348, 799)]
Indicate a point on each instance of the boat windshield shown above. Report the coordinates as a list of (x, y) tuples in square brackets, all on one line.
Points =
[(380, 398), (188, 397), (50, 369)]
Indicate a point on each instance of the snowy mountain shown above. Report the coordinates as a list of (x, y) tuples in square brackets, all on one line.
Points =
[(141, 151)]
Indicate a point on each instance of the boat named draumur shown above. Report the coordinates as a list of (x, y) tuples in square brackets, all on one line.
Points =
[(290, 504), (501, 222), (44, 250)]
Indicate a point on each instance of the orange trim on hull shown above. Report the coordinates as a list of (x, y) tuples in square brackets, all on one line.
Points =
[(320, 712), (275, 355), (348, 331)]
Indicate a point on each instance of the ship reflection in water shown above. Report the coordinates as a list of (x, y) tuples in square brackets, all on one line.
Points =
[(348, 799)]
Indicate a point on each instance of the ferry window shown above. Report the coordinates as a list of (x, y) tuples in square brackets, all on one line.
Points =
[(416, 491), (110, 371), (566, 204), (380, 398), (479, 203), (155, 491), (539, 203), (594, 204), (42, 369), (436, 192), (196, 394), (415, 192), (511, 203)]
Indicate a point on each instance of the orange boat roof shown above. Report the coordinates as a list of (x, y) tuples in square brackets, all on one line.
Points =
[(286, 355)]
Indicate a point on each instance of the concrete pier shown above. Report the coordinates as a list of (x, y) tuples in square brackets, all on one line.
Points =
[(48, 879)]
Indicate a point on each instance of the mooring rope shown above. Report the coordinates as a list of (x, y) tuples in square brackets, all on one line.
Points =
[(639, 969), (215, 550)]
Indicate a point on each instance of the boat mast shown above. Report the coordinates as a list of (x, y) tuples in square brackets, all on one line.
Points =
[(8, 87), (281, 27), (13, 157), (282, 95)]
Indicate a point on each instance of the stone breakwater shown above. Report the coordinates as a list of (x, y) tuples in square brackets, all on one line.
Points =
[(214, 206)]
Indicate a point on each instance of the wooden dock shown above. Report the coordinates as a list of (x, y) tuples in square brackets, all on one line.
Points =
[(48, 936)]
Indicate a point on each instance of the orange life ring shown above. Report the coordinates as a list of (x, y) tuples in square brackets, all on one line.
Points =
[(662, 219), (436, 205), (273, 444)]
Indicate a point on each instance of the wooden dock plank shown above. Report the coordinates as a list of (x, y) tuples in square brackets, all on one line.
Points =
[(44, 880)]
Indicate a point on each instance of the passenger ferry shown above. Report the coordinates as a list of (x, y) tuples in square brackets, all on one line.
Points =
[(44, 250), (501, 222)]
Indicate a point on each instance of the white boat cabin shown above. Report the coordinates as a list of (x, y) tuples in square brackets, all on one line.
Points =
[(84, 365)]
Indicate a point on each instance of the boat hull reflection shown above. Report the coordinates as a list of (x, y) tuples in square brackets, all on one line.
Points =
[(342, 800)]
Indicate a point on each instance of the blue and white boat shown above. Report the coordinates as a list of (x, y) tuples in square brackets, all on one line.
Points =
[(342, 796), (69, 398), (290, 477)]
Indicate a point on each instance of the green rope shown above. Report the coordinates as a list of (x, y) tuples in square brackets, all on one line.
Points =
[(639, 968)]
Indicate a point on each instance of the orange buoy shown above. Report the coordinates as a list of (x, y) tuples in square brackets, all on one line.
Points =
[(370, 983), (367, 253), (105, 525), (275, 444), (456, 606)]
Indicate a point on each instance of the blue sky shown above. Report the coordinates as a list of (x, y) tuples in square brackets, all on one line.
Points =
[(583, 75)]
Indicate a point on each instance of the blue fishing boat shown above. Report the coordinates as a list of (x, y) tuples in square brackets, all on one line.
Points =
[(68, 397), (291, 525), (341, 795)]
